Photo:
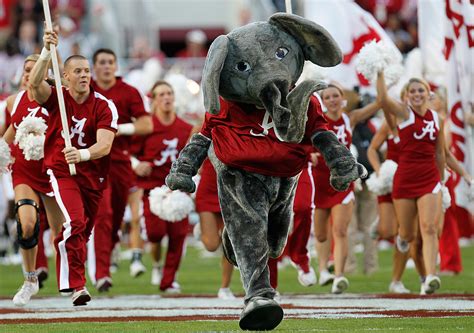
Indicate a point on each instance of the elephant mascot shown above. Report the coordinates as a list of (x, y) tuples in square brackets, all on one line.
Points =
[(258, 132)]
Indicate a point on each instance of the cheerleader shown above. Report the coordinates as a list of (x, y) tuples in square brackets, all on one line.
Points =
[(31, 185), (331, 204), (417, 181), (387, 222)]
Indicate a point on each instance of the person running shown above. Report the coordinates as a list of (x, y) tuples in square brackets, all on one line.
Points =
[(158, 150), (133, 120), (417, 181), (31, 187), (331, 204), (92, 121)]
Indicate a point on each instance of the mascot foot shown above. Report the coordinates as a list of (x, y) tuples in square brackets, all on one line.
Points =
[(228, 249), (261, 314)]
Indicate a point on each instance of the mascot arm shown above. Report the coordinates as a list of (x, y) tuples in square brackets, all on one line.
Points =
[(188, 164), (342, 165)]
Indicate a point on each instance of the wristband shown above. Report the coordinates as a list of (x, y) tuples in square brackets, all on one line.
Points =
[(85, 154), (126, 129), (45, 54)]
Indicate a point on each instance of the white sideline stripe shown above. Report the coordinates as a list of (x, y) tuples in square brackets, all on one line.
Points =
[(437, 188), (347, 122), (112, 107), (313, 193), (17, 101), (64, 263), (409, 121), (348, 198), (91, 263)]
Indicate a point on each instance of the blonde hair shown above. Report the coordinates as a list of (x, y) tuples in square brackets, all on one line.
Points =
[(420, 81), (32, 57)]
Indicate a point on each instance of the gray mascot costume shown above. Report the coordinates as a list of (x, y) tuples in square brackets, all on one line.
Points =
[(257, 134)]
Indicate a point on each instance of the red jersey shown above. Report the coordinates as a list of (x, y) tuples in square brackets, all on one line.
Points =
[(23, 171), (325, 196), (243, 137), (162, 148), (130, 105), (84, 121), (417, 173)]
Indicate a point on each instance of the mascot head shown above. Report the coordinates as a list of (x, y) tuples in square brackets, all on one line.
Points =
[(259, 62)]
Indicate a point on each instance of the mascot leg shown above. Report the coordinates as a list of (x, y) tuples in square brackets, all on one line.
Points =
[(280, 216), (246, 226)]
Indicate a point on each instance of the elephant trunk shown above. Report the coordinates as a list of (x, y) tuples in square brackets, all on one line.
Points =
[(273, 97)]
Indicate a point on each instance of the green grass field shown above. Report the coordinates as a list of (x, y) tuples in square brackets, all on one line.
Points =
[(202, 276)]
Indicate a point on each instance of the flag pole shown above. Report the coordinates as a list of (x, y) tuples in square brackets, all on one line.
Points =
[(57, 79)]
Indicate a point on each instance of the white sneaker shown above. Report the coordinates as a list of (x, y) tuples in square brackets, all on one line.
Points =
[(103, 284), (225, 293), (402, 245), (307, 279), (339, 284), (174, 289), (137, 268), (27, 290), (325, 278), (156, 276), (80, 297), (431, 284), (397, 287)]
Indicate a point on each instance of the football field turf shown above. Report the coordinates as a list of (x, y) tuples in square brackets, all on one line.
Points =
[(366, 306)]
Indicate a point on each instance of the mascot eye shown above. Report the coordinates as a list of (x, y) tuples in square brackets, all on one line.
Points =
[(242, 66), (281, 53)]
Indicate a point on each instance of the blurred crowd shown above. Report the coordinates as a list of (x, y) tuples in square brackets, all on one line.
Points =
[(21, 26)]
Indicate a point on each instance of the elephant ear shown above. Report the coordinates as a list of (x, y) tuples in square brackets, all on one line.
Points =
[(317, 44), (211, 73)]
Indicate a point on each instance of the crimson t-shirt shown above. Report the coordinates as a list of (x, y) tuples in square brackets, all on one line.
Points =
[(161, 148), (84, 121), (243, 137), (130, 105)]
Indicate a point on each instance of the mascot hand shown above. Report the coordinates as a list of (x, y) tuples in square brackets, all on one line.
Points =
[(341, 178), (180, 181), (342, 164)]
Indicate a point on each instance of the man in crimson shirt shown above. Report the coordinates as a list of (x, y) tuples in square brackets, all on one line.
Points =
[(92, 121), (133, 120)]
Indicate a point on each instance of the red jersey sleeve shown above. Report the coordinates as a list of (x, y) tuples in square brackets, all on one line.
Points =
[(136, 103), (107, 115), (52, 102)]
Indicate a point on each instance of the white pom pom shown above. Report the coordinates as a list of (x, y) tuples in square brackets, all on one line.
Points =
[(30, 136), (33, 147), (383, 183), (380, 56), (5, 156), (171, 206), (373, 184), (446, 198)]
